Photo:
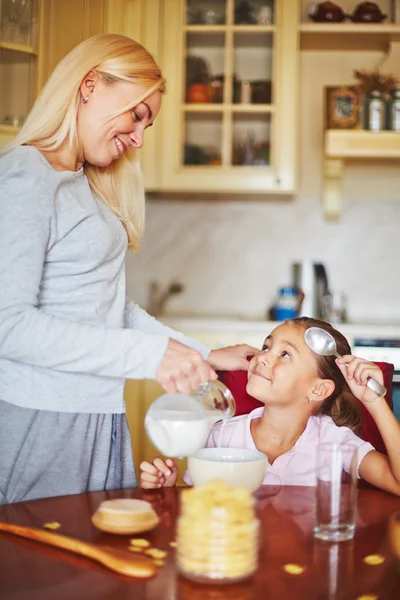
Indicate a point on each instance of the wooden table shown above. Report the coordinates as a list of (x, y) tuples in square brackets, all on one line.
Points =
[(29, 570)]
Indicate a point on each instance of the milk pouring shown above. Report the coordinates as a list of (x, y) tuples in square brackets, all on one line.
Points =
[(179, 424)]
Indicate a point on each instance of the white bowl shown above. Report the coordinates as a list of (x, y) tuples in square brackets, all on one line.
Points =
[(238, 467)]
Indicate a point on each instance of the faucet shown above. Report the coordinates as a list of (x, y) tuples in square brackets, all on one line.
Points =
[(158, 298)]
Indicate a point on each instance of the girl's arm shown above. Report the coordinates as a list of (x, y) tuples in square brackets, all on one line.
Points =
[(376, 468)]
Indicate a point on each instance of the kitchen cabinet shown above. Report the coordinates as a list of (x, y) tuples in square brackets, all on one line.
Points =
[(381, 41), (34, 36), (239, 137), (21, 26), (141, 21), (229, 117), (66, 24)]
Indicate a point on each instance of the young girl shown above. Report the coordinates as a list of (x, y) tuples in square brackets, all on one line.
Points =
[(309, 399)]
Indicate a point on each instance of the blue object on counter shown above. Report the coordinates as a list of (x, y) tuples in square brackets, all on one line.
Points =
[(287, 304), (285, 313)]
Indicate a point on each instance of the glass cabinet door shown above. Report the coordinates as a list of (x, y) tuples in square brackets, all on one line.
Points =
[(18, 57), (18, 22), (227, 98)]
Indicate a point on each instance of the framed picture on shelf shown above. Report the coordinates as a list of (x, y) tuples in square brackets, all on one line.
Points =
[(342, 107)]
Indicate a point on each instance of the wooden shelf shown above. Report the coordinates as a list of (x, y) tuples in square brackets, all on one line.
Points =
[(252, 108), (8, 128), (18, 48), (342, 145), (362, 144), (231, 28), (223, 108), (348, 36)]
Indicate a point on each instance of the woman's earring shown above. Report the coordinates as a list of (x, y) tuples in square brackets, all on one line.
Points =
[(309, 400), (84, 100)]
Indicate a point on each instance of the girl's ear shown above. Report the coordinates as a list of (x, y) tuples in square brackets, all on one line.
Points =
[(321, 390)]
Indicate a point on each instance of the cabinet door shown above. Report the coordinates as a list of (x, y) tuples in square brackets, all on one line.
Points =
[(19, 50), (66, 24), (139, 395), (229, 116), (140, 20), (34, 36)]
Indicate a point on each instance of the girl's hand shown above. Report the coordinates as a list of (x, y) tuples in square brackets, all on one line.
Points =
[(157, 473), (232, 358), (356, 374)]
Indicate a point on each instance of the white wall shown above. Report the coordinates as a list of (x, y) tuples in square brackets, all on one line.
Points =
[(233, 255)]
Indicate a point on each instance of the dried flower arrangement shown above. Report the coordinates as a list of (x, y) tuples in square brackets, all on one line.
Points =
[(371, 81)]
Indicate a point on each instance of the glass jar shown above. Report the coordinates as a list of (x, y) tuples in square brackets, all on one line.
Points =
[(218, 534), (394, 111), (375, 111)]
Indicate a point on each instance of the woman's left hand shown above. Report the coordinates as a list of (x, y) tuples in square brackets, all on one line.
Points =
[(232, 358), (356, 373)]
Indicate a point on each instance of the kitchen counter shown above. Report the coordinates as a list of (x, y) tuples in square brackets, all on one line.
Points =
[(38, 572), (350, 330), (217, 333)]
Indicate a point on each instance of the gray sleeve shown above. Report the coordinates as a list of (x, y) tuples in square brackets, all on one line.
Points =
[(30, 335), (138, 318)]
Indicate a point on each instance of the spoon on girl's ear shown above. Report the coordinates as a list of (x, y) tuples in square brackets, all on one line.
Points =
[(323, 343)]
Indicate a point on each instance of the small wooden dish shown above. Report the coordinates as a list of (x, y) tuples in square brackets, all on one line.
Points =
[(125, 516)]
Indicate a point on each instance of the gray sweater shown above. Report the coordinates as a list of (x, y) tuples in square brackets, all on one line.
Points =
[(68, 339)]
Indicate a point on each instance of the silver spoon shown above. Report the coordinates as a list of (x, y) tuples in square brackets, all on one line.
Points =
[(323, 343)]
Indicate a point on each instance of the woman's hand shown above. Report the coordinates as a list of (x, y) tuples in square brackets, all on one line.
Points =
[(183, 369), (157, 473), (356, 373), (232, 358)]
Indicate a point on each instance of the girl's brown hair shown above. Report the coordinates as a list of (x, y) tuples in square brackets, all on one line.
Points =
[(342, 406)]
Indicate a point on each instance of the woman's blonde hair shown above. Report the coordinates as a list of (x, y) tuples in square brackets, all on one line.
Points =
[(53, 118), (342, 406)]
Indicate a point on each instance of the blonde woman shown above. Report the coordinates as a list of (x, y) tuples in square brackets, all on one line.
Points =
[(71, 202)]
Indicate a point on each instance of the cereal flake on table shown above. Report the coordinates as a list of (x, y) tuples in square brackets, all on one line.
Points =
[(156, 553), (293, 569), (140, 543), (374, 559), (53, 525), (158, 562)]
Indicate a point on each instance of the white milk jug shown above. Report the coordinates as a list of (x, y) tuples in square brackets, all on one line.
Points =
[(179, 424)]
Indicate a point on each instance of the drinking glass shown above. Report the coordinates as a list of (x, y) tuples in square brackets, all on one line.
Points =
[(336, 492)]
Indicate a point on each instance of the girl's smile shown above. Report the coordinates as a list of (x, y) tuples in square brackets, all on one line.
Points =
[(259, 374)]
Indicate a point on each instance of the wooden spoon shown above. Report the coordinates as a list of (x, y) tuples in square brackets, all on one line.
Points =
[(112, 558)]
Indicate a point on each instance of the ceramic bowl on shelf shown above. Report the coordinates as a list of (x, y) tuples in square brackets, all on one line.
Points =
[(367, 12), (236, 466), (326, 12)]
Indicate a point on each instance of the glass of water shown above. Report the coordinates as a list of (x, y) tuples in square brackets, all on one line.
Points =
[(336, 492)]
